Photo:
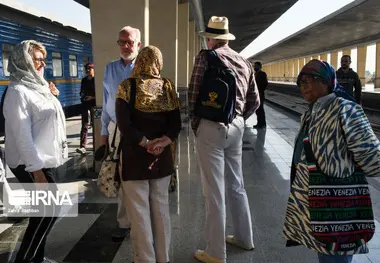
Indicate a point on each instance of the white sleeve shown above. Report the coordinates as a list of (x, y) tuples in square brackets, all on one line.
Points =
[(17, 115)]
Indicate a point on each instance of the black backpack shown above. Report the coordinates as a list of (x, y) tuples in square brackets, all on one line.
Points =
[(217, 95)]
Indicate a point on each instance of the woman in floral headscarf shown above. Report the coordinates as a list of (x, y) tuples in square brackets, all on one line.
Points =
[(35, 137), (148, 116), (329, 208)]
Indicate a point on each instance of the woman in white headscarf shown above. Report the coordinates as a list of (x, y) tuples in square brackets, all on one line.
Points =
[(35, 136)]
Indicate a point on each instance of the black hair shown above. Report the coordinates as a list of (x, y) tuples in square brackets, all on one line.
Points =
[(346, 56), (258, 63)]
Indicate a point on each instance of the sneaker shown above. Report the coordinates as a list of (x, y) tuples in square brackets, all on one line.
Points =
[(203, 256), (232, 241), (81, 150)]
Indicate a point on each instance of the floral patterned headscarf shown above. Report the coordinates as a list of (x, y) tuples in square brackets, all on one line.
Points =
[(149, 62), (153, 93)]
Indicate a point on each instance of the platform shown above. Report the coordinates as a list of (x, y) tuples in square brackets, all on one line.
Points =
[(267, 157)]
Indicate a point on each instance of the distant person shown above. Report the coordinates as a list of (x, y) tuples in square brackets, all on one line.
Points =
[(87, 94), (129, 42), (349, 79), (262, 83), (219, 138), (35, 131)]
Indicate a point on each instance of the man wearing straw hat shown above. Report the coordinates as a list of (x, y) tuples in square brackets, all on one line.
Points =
[(219, 147)]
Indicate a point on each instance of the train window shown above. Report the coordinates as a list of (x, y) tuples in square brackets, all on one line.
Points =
[(57, 64), (73, 64), (6, 51)]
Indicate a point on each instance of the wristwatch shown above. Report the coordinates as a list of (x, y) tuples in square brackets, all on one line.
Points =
[(146, 142)]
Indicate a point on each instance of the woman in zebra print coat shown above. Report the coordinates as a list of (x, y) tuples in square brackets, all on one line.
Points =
[(335, 134)]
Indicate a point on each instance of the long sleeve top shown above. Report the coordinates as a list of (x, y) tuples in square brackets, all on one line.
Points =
[(114, 74), (341, 137), (351, 82), (135, 124), (247, 97), (261, 81), (31, 130)]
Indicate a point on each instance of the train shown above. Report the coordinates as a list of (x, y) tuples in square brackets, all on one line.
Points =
[(68, 50)]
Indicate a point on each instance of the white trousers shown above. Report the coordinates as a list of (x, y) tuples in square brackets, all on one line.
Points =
[(219, 153), (122, 217), (148, 207)]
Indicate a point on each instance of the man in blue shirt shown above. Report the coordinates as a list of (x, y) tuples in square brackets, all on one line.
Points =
[(129, 41)]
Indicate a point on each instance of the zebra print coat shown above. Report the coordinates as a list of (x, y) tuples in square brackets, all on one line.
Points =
[(340, 135)]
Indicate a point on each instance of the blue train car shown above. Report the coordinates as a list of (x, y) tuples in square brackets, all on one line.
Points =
[(67, 51)]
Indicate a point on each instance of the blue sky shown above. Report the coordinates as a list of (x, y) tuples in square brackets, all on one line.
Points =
[(68, 12), (302, 14)]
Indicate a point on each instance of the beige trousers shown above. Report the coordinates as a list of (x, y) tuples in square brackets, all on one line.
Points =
[(148, 207), (219, 154)]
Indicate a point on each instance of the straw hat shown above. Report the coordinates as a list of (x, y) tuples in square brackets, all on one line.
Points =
[(217, 28)]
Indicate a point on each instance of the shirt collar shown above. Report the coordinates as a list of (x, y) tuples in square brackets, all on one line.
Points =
[(130, 65)]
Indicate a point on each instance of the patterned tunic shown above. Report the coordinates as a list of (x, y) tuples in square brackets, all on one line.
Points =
[(340, 135)]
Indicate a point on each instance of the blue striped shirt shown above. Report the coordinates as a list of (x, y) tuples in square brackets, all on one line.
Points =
[(114, 74)]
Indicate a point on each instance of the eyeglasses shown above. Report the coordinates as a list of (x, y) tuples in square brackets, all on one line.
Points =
[(308, 81), (122, 43), (39, 60)]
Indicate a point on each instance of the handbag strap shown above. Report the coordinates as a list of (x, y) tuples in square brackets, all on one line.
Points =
[(114, 137), (131, 105), (310, 158), (133, 93)]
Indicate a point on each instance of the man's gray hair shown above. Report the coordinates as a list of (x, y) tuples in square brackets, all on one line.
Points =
[(129, 30)]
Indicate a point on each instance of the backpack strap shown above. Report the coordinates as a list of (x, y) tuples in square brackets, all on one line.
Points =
[(213, 59)]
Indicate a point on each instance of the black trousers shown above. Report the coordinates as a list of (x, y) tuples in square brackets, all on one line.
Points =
[(86, 106), (260, 113), (32, 247)]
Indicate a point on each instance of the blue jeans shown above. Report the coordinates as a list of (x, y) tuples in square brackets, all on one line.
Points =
[(334, 259)]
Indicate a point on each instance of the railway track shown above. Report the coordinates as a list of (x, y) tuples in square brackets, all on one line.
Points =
[(290, 100)]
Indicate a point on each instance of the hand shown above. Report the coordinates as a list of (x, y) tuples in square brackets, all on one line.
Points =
[(160, 143), (103, 139), (53, 89), (150, 147), (151, 143), (157, 146), (156, 151), (39, 177), (89, 98), (143, 141)]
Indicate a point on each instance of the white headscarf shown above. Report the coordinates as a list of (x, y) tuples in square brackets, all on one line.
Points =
[(22, 71)]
